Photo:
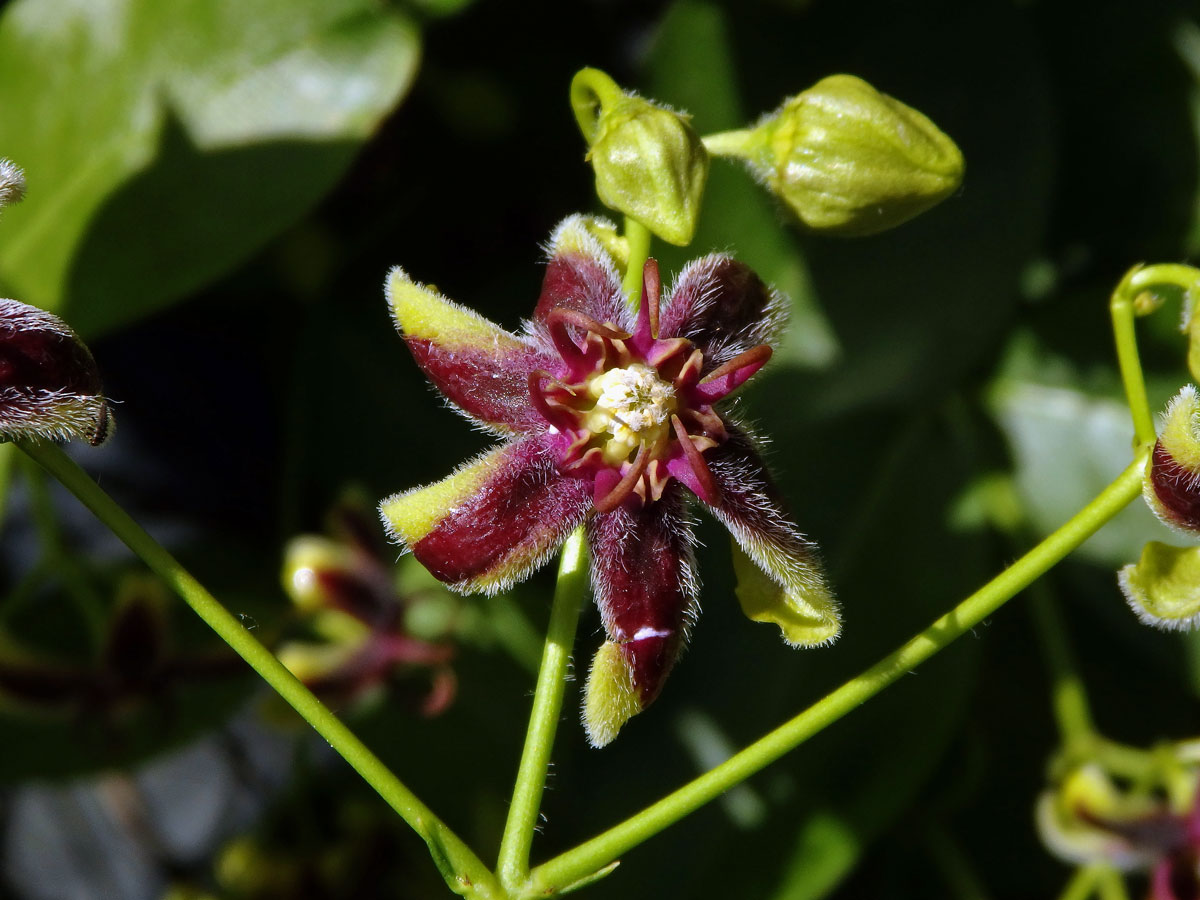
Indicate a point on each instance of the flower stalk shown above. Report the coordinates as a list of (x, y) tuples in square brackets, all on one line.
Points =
[(463, 870), (513, 864), (608, 846)]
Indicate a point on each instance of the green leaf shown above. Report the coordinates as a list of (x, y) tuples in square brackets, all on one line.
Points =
[(163, 142)]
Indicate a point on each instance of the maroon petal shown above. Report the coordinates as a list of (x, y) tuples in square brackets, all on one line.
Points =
[(49, 384), (721, 305), (1174, 878), (581, 276), (479, 367), (751, 508), (643, 576), (493, 521)]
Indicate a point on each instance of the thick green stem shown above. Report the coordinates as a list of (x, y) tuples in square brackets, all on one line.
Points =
[(730, 143), (591, 92), (638, 236), (603, 849), (462, 868), (513, 865)]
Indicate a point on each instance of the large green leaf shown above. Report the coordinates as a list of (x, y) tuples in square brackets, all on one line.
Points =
[(163, 142)]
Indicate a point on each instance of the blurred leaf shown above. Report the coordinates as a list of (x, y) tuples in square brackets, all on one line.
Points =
[(1067, 444), (164, 142)]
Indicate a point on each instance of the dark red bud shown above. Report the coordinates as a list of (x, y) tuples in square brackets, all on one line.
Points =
[(49, 383)]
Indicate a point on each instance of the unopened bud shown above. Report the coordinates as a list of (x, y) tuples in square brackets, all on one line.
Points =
[(1172, 484), (12, 183), (649, 163), (847, 159), (49, 383)]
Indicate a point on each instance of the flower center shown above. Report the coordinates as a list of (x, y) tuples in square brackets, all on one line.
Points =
[(633, 407)]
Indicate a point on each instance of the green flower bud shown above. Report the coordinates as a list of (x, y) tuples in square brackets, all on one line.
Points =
[(847, 159), (649, 163)]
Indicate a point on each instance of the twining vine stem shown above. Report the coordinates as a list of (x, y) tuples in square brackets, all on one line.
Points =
[(602, 850), (453, 856)]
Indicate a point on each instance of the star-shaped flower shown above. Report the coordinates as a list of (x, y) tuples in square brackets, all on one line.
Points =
[(611, 418)]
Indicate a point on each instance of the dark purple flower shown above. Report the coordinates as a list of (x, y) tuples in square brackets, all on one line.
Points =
[(49, 383), (610, 419)]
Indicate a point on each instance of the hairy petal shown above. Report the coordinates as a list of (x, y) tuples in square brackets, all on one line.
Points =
[(779, 574), (480, 368), (581, 276), (49, 383), (721, 305), (643, 576), (493, 521)]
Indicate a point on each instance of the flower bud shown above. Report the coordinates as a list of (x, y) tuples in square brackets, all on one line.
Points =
[(847, 159), (12, 183), (1163, 588), (1172, 484), (649, 163), (49, 383)]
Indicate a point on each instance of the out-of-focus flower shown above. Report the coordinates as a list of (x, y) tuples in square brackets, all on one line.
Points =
[(136, 664), (610, 419), (356, 616), (1151, 826)]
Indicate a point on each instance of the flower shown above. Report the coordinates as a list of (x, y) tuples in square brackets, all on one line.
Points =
[(1153, 828), (360, 642), (49, 383), (610, 419)]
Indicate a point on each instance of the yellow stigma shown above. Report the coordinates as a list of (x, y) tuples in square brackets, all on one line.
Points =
[(633, 407)]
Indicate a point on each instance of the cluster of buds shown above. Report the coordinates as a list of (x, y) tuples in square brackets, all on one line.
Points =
[(49, 383), (844, 158), (359, 639), (1149, 823)]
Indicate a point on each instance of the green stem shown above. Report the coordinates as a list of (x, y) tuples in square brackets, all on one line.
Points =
[(513, 864), (463, 870), (1121, 307), (603, 849), (591, 92), (1082, 883), (1070, 701), (638, 236), (1135, 296), (729, 143), (1110, 883)]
